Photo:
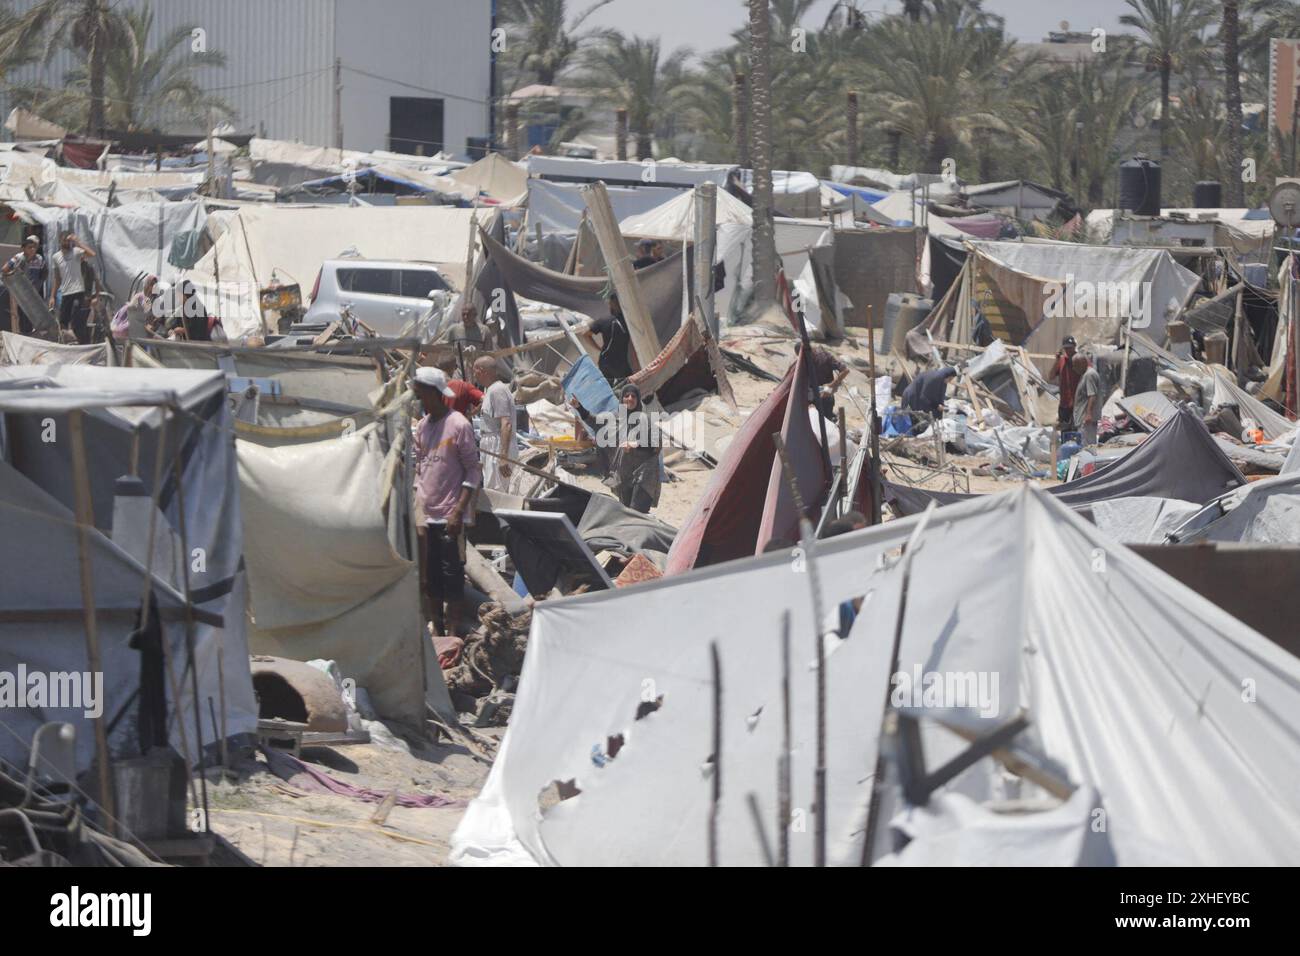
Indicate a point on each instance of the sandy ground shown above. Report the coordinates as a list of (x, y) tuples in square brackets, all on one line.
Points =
[(274, 824)]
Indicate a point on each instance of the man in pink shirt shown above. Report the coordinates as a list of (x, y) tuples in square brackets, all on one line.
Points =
[(447, 472)]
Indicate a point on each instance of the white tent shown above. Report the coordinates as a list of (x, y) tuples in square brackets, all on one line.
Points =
[(1170, 721), (294, 241), (675, 219)]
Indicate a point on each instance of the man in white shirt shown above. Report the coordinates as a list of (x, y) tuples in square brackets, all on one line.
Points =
[(497, 426), (67, 280)]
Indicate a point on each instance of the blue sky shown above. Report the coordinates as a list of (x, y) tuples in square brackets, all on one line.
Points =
[(706, 24)]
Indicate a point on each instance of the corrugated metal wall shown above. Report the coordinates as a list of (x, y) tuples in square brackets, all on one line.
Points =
[(280, 61)]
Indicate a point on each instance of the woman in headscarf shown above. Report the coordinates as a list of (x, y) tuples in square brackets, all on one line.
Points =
[(634, 474)]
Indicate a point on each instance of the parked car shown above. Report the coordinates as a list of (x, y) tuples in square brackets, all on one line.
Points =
[(391, 296)]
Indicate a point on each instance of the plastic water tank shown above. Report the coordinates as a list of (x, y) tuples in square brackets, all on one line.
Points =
[(904, 311), (1139, 186), (1207, 195)]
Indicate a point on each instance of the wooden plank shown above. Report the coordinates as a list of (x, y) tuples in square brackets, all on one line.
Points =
[(645, 341)]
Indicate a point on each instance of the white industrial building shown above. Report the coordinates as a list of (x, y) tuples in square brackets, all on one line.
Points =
[(415, 75)]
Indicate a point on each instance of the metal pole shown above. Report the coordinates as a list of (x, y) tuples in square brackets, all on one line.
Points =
[(189, 635), (85, 522), (874, 434), (717, 754), (783, 761), (338, 105)]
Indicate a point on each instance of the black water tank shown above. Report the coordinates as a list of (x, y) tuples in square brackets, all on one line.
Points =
[(1139, 186), (1207, 195)]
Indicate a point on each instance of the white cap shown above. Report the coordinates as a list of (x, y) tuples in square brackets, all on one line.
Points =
[(32, 239), (434, 378)]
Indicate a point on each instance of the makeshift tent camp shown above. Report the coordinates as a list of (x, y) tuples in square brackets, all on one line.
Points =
[(1179, 460), (293, 241), (1138, 700), (132, 420), (328, 539), (1034, 293), (143, 236), (618, 172)]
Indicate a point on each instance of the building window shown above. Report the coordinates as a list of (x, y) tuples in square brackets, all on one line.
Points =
[(415, 125)]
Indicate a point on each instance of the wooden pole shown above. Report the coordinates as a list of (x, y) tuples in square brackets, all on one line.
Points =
[(85, 526), (190, 649), (645, 341), (877, 486), (706, 217)]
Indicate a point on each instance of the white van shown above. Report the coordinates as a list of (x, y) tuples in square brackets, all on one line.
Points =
[(389, 295)]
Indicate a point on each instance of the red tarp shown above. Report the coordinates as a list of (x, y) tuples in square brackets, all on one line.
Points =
[(807, 461), (724, 523)]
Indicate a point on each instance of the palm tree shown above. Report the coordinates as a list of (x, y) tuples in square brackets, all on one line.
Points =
[(1198, 131), (550, 42), (1171, 41), (631, 73), (764, 237), (1229, 32), (143, 83), (88, 26), (941, 85), (1077, 115)]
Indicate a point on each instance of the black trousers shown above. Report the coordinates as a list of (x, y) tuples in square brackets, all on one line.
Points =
[(443, 569), (635, 497), (73, 316)]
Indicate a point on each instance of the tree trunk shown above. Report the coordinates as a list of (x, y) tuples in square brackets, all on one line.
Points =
[(620, 133), (644, 142), (740, 117), (765, 261), (851, 119), (895, 140), (1235, 193), (98, 60), (1164, 109)]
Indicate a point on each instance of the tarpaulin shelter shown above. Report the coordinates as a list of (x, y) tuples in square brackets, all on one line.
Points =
[(565, 169), (1034, 293), (495, 177), (26, 350), (293, 241), (661, 287), (328, 535), (807, 463), (675, 219), (1179, 460), (128, 240), (725, 522), (558, 207), (132, 419), (691, 361), (608, 757), (1262, 512)]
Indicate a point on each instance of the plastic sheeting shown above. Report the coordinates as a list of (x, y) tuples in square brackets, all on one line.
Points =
[(325, 579), (1262, 512), (1139, 700), (209, 494), (25, 350), (1141, 520), (675, 219), (558, 207)]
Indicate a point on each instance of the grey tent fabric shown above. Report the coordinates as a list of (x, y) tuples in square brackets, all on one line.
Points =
[(558, 207), (661, 287), (1141, 520), (1179, 460), (608, 525), (1263, 512)]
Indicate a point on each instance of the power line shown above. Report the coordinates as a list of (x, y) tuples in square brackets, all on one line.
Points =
[(413, 86)]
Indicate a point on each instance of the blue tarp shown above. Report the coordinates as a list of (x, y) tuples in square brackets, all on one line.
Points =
[(586, 382), (868, 195)]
